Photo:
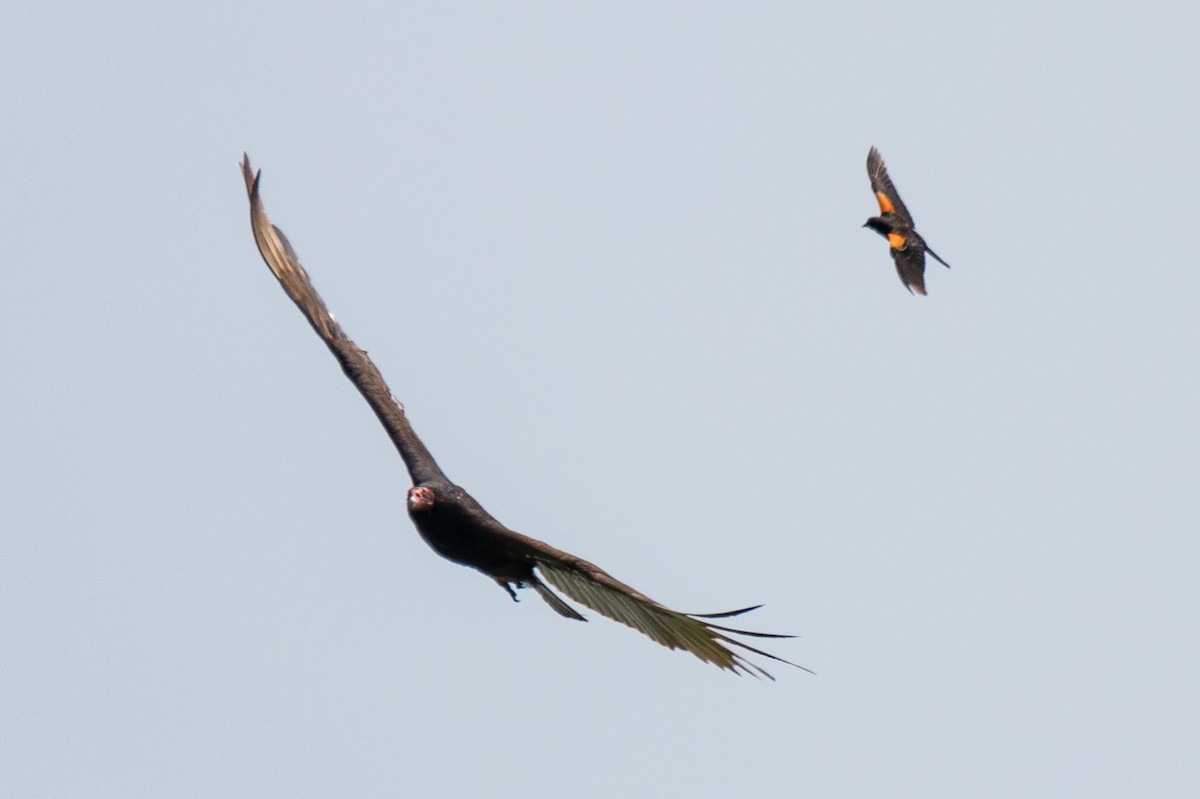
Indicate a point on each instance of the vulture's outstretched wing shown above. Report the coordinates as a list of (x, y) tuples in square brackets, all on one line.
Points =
[(672, 629), (281, 258), (592, 586)]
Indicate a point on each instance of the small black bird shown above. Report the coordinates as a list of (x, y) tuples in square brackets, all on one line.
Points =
[(459, 529), (895, 224)]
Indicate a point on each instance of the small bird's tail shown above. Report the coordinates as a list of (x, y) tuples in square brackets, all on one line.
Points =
[(938, 257)]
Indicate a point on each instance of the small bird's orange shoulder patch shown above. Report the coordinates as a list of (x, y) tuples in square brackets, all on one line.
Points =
[(896, 240), (885, 205)]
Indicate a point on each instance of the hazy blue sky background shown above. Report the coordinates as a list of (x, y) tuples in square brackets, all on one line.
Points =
[(610, 257)]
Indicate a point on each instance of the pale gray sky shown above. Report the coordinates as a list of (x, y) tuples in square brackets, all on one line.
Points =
[(610, 257)]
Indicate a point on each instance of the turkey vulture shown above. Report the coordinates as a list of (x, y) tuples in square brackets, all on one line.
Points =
[(895, 224), (459, 529)]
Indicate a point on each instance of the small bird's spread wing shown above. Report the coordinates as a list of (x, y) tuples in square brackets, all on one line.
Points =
[(910, 264), (590, 585), (885, 191), (278, 254)]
